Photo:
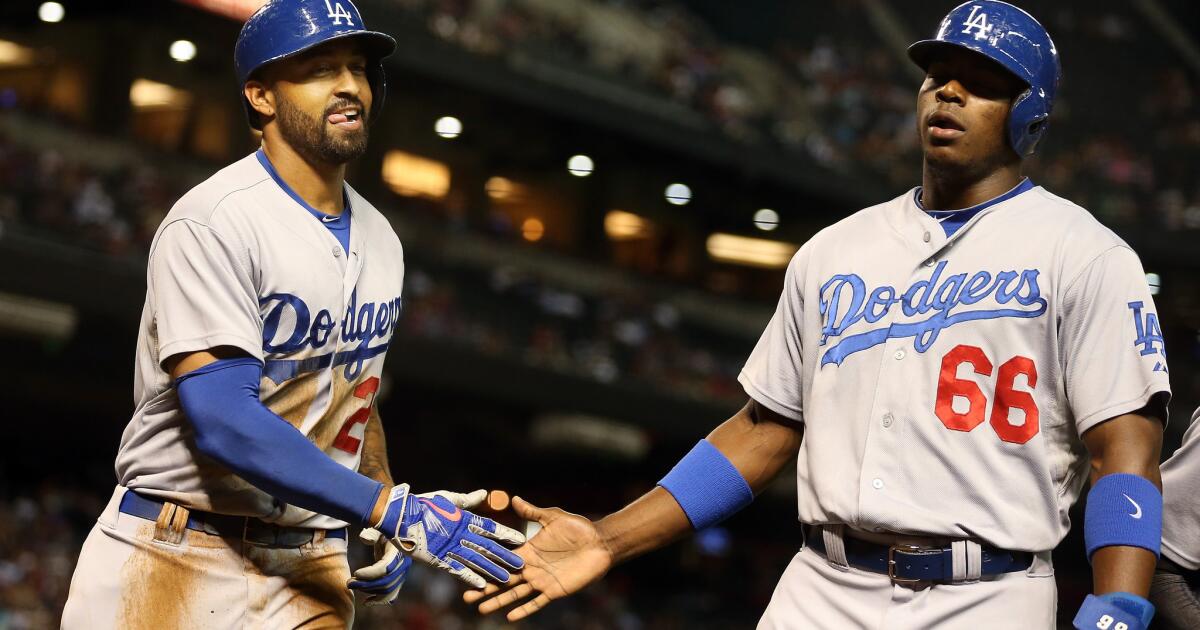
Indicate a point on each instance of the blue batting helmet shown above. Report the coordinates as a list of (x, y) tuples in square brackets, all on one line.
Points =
[(282, 28), (1015, 40)]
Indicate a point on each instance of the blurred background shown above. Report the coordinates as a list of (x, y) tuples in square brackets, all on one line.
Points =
[(597, 199)]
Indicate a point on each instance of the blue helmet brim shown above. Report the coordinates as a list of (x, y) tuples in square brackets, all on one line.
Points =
[(923, 52)]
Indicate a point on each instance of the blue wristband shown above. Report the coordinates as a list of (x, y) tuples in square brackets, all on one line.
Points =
[(707, 486), (1125, 510), (1113, 611)]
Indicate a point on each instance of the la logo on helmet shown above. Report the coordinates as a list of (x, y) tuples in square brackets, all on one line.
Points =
[(977, 21), (337, 12)]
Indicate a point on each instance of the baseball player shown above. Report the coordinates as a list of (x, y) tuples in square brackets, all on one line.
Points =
[(1176, 588), (940, 367), (273, 290)]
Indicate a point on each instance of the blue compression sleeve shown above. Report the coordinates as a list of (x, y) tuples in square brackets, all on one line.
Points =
[(707, 486), (233, 427), (1125, 510)]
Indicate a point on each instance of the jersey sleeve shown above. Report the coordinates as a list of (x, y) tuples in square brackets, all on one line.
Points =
[(772, 375), (1181, 510), (1111, 343), (201, 293)]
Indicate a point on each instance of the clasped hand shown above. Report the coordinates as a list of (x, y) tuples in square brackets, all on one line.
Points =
[(436, 529)]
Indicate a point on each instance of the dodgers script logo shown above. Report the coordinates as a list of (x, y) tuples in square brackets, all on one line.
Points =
[(845, 301), (288, 326)]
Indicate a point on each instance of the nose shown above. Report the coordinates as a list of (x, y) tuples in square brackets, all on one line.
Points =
[(349, 84), (951, 92)]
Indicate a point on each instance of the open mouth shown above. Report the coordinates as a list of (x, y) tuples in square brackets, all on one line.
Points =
[(943, 126), (348, 118)]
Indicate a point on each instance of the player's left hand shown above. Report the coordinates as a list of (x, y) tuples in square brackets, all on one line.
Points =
[(381, 581), (437, 530)]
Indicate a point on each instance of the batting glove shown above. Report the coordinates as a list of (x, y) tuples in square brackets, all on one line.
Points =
[(436, 530), (381, 581)]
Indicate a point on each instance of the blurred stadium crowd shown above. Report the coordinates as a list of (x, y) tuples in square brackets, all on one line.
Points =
[(830, 93), (840, 97)]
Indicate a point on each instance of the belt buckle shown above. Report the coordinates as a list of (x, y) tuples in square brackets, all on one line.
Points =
[(891, 564), (260, 540)]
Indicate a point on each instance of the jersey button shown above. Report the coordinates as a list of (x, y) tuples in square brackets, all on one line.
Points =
[(899, 354), (887, 420), (877, 483), (926, 237), (337, 252)]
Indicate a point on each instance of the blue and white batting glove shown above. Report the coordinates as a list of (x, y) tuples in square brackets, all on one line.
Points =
[(381, 581), (437, 530)]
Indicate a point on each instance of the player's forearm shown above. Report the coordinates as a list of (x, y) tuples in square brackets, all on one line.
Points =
[(374, 462), (231, 426), (651, 522), (1129, 444), (1122, 569), (753, 440)]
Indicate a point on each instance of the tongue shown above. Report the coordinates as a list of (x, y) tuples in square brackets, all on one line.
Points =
[(338, 118)]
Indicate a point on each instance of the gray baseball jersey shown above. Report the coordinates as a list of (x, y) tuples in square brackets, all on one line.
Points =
[(239, 262), (943, 383), (1181, 500)]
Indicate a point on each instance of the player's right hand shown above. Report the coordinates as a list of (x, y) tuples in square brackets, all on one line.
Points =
[(566, 555), (436, 529)]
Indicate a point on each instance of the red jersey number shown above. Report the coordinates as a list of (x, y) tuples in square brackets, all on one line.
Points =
[(366, 391), (1004, 399)]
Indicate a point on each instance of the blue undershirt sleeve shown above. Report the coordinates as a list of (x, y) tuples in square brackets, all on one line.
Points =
[(233, 427)]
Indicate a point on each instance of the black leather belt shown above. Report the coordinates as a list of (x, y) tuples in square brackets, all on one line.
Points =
[(249, 529), (913, 563)]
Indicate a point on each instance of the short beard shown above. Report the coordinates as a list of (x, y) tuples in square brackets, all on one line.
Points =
[(310, 138)]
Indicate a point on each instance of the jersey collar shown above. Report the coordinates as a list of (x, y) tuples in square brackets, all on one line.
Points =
[(1022, 186), (338, 222)]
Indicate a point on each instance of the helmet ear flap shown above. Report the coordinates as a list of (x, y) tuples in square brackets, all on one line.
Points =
[(1027, 124)]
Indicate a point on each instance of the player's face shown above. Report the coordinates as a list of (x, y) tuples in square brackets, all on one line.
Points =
[(322, 100), (962, 110)]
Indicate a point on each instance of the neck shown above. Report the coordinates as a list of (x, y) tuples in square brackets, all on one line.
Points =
[(318, 183), (942, 189)]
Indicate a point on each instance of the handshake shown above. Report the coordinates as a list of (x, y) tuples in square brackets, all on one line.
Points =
[(568, 553), (436, 529)]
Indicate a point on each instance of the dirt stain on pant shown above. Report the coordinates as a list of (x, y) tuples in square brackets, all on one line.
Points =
[(159, 582)]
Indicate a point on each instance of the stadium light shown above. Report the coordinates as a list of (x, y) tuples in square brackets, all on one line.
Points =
[(678, 194), (500, 188), (753, 252), (415, 176), (146, 94), (13, 54), (448, 127), (532, 229), (41, 319), (766, 219), (183, 50), (1155, 282), (580, 165), (51, 12), (626, 226)]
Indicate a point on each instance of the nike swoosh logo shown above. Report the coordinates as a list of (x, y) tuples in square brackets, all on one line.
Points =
[(1138, 513), (457, 513)]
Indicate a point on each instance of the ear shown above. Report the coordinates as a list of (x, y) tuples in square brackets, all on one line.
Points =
[(260, 97)]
